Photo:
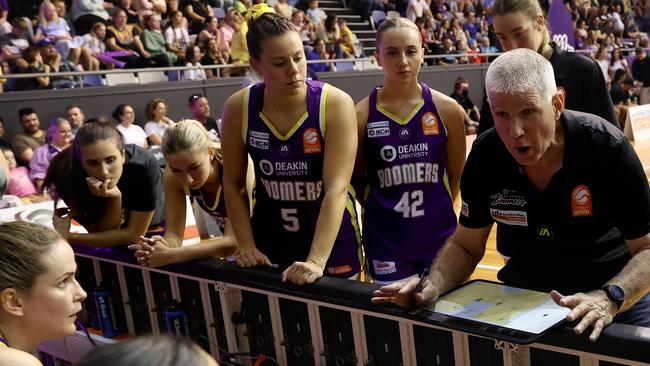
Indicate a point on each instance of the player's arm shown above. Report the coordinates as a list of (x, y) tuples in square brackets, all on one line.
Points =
[(454, 264), (235, 164), (175, 209), (359, 174), (340, 152), (452, 117)]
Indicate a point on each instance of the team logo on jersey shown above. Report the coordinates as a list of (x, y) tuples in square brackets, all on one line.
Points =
[(339, 270), (581, 201), (404, 133), (311, 141), (383, 267), (378, 129), (507, 198), (544, 233), (259, 140), (388, 153), (430, 124), (266, 167), (284, 149), (510, 217)]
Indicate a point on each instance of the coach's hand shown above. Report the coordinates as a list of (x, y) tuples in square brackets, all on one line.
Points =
[(403, 293), (302, 272), (595, 309)]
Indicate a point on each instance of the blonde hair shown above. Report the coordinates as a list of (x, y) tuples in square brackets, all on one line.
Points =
[(186, 135), (21, 246), (41, 12), (396, 23)]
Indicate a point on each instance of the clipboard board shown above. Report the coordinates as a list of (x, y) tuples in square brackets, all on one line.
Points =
[(493, 310)]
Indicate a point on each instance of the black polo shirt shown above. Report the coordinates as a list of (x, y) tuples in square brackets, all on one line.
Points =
[(571, 236)]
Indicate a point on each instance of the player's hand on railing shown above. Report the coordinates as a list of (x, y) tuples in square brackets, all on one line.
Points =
[(593, 309), (153, 252), (251, 257), (404, 293), (302, 273)]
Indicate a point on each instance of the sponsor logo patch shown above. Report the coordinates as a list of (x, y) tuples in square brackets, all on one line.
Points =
[(378, 132), (378, 124), (404, 133), (266, 167), (581, 201), (510, 217), (284, 149), (339, 270), (388, 153), (544, 233), (507, 198), (464, 209), (311, 141), (383, 267), (430, 124)]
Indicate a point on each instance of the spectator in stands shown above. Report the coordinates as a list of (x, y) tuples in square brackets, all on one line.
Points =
[(35, 64), (238, 47), (472, 25), (471, 114), (24, 144), (59, 137), (211, 31), (521, 23), (144, 8), (318, 52), (3, 143), (197, 12), (456, 31), (156, 113), (641, 72), (315, 14), (5, 26), (308, 250), (604, 238), (14, 43), (112, 189), (176, 35), (39, 294), (200, 109), (622, 86), (88, 12), (131, 133), (57, 31), (18, 182), (305, 29), (51, 57), (283, 8), (448, 49), (94, 48), (441, 10), (332, 37), (461, 49), (154, 43), (603, 62), (132, 16), (75, 116), (161, 350), (617, 62), (193, 56), (416, 9), (213, 56), (347, 40), (230, 25), (194, 169), (125, 38)]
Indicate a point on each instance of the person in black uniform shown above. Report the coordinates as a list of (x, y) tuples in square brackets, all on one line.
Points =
[(114, 190), (521, 24), (551, 179)]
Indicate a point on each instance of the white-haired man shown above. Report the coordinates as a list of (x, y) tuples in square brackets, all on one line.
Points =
[(568, 194)]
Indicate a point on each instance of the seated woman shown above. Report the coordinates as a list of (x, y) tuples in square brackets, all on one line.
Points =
[(92, 178), (39, 295), (59, 136), (125, 38), (154, 43), (131, 133), (156, 112), (176, 34), (193, 169)]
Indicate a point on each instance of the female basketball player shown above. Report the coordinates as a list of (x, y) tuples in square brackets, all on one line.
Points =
[(92, 178), (193, 169), (39, 295), (301, 137), (411, 153), (521, 24)]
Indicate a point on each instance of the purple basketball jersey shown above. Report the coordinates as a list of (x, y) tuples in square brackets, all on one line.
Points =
[(289, 184), (408, 210)]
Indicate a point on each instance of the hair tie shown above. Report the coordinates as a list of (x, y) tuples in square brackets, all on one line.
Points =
[(256, 11)]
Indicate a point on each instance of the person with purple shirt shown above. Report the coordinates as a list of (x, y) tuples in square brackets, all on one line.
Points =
[(410, 157), (59, 136), (301, 136), (319, 53)]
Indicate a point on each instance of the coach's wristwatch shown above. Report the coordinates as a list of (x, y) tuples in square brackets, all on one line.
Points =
[(616, 294)]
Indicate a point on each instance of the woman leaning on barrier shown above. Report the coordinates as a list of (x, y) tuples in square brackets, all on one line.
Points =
[(39, 295), (112, 189)]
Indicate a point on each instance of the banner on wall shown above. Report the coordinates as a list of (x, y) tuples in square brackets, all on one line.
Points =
[(561, 25)]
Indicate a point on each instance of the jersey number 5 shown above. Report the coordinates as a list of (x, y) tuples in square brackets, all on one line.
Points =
[(409, 204), (290, 217)]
